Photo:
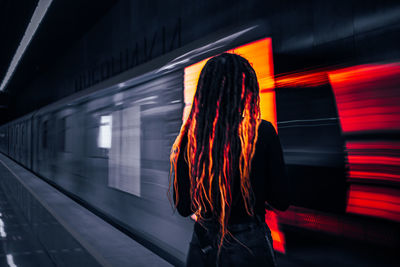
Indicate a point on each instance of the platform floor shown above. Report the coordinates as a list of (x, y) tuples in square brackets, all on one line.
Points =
[(19, 247), (40, 226)]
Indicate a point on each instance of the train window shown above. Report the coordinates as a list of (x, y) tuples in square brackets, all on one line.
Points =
[(124, 155), (104, 137), (13, 136), (17, 135), (22, 134), (44, 134), (61, 134)]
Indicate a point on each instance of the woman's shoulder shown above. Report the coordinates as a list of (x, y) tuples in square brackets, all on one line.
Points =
[(267, 133), (266, 128)]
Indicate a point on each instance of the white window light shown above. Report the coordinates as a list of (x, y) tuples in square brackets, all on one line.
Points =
[(2, 232), (10, 260), (105, 132)]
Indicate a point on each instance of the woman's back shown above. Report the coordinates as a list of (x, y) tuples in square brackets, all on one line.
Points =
[(226, 163), (268, 180)]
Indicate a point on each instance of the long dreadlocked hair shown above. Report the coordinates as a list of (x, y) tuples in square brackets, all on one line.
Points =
[(221, 132)]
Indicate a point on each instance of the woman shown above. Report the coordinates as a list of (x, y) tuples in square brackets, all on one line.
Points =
[(227, 163)]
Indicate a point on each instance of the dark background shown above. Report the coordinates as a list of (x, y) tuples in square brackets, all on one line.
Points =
[(78, 38)]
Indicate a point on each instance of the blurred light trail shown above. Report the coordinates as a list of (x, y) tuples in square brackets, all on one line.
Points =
[(187, 57), (368, 102), (278, 237), (374, 201), (379, 161), (312, 78), (357, 228), (37, 17), (368, 97)]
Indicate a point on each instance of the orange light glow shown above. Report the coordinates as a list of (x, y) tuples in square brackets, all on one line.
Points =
[(259, 54), (277, 236), (302, 79)]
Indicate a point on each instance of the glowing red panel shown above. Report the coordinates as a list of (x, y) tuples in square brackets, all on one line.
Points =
[(277, 236), (374, 162), (367, 97), (374, 201), (371, 160)]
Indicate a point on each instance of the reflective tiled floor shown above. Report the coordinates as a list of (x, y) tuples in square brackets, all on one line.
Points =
[(20, 246)]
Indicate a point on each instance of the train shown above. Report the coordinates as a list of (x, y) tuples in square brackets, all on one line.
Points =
[(108, 146)]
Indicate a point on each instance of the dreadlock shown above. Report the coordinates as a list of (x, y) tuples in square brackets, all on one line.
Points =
[(221, 132)]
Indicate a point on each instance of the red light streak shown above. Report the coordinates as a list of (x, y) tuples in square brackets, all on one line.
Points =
[(302, 79), (375, 194), (278, 237), (374, 160), (365, 159), (378, 162), (367, 97), (341, 225), (378, 145), (366, 73), (373, 201), (374, 175)]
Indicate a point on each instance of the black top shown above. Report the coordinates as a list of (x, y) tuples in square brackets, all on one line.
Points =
[(268, 178)]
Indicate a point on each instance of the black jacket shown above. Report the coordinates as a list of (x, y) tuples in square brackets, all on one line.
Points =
[(268, 178)]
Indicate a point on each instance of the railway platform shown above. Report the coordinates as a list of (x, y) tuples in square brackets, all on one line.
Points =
[(40, 226)]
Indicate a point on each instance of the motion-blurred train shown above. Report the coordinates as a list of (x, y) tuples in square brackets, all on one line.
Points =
[(108, 146)]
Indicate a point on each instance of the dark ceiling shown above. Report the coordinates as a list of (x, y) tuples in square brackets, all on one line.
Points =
[(64, 23)]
